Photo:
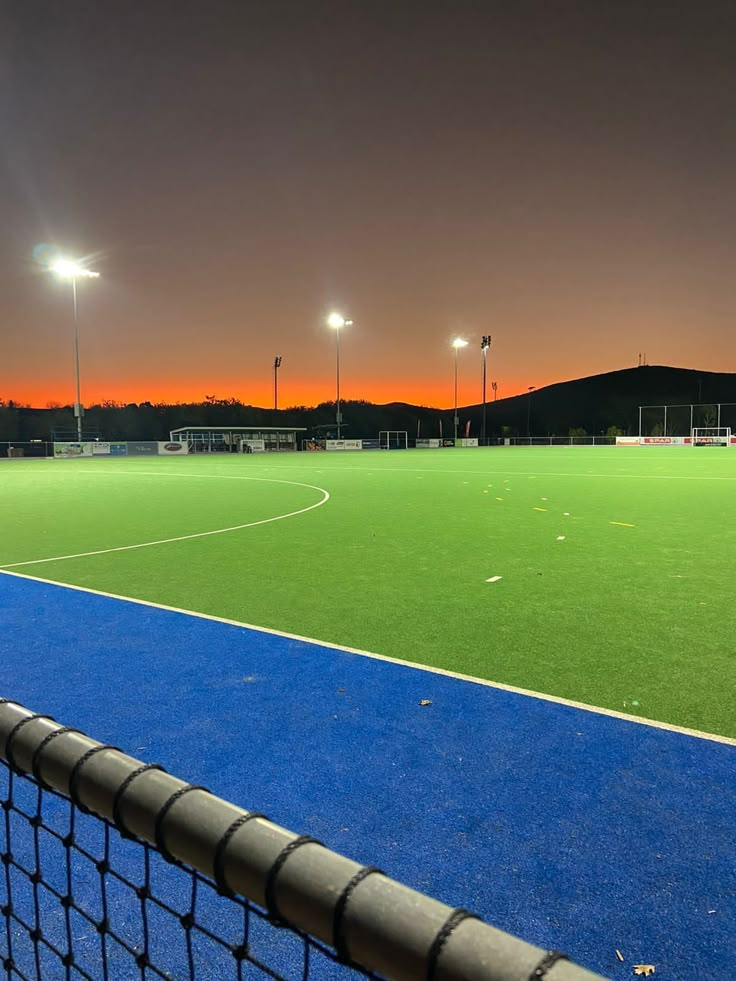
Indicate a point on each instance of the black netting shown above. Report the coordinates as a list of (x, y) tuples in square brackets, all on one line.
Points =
[(78, 900)]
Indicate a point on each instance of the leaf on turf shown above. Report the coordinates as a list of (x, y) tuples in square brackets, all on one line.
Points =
[(644, 969), (426, 701)]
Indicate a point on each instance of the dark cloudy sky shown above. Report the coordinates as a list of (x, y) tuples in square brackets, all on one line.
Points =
[(557, 173)]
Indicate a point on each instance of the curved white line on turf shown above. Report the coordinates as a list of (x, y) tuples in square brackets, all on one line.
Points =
[(199, 534), (425, 668)]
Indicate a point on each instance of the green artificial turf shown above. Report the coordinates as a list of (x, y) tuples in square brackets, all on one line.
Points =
[(635, 616)]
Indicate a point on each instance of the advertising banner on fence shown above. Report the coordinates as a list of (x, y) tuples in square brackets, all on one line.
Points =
[(71, 450), (172, 448), (344, 444), (95, 447), (467, 441), (665, 441), (103, 448), (428, 444), (145, 447), (627, 441)]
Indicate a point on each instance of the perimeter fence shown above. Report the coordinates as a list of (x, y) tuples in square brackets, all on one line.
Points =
[(680, 420), (113, 869), (550, 441), (28, 448)]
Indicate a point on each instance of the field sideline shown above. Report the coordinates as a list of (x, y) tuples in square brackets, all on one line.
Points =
[(613, 562)]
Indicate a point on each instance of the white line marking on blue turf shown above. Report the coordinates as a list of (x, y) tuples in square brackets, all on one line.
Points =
[(183, 538), (555, 699), (494, 578)]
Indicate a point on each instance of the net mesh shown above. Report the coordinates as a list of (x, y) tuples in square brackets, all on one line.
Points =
[(81, 900)]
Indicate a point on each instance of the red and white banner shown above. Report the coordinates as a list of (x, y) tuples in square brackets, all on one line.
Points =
[(665, 441)]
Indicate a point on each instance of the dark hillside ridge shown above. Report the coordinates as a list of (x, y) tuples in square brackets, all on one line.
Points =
[(611, 399)]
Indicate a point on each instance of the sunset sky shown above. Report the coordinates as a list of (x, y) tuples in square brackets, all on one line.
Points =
[(556, 173)]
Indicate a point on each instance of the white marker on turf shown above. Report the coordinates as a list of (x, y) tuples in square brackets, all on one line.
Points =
[(494, 578)]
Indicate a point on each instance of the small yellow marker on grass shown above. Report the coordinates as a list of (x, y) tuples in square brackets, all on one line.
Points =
[(539, 509), (623, 524)]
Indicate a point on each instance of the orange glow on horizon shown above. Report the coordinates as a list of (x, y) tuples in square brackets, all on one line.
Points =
[(292, 392)]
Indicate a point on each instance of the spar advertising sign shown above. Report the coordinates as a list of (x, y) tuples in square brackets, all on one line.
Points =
[(665, 441)]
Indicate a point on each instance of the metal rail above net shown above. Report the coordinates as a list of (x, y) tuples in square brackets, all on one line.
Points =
[(113, 868)]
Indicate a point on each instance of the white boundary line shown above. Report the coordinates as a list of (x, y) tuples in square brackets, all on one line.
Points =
[(480, 473), (428, 669), (184, 538), (512, 473)]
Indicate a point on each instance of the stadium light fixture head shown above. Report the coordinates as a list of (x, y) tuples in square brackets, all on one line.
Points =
[(69, 269), (337, 321), (459, 342)]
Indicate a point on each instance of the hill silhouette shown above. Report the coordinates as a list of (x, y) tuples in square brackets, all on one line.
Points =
[(598, 401), (593, 404)]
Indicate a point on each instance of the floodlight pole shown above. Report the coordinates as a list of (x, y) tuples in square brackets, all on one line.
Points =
[(529, 410), (336, 321), (455, 417), (338, 414), (276, 366), (484, 345), (78, 410), (68, 269), (457, 343)]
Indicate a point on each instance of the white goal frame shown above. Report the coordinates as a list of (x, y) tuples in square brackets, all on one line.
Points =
[(711, 436), (393, 439)]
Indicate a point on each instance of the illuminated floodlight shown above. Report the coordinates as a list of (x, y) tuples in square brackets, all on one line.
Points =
[(459, 342), (69, 269), (336, 320)]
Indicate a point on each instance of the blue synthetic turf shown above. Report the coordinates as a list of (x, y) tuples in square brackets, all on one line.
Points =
[(568, 828)]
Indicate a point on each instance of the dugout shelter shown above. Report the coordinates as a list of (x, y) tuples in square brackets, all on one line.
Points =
[(237, 439)]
